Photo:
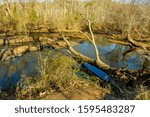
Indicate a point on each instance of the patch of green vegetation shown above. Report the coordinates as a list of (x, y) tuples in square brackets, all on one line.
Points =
[(33, 16), (57, 73)]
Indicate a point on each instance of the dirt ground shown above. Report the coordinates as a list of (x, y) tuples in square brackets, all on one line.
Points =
[(86, 93)]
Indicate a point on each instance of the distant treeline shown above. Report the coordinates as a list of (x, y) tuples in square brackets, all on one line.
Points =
[(107, 16)]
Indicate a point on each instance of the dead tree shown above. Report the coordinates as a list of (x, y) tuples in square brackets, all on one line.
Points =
[(96, 62), (134, 43)]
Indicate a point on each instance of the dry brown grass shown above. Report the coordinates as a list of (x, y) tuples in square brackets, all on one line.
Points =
[(143, 93), (58, 76), (107, 16)]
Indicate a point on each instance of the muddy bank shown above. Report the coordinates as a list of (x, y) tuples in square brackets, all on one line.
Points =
[(37, 37), (34, 42), (87, 92), (48, 38)]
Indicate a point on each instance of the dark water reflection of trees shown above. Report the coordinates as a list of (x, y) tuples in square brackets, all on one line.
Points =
[(11, 70), (113, 54)]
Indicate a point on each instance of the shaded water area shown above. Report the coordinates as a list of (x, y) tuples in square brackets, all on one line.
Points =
[(12, 70), (113, 54)]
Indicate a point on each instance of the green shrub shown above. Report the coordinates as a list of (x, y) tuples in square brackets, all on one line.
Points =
[(56, 74)]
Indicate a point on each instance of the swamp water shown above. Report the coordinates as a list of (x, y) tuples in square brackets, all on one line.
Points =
[(112, 54)]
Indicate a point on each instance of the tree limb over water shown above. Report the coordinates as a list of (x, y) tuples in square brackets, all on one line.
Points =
[(137, 44), (96, 62)]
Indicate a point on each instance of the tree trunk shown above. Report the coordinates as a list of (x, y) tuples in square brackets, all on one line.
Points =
[(138, 44), (97, 62)]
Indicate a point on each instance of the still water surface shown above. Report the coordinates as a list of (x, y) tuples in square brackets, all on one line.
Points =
[(112, 54)]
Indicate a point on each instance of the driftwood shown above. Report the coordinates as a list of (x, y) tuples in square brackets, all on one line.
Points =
[(96, 62), (121, 42), (137, 44), (140, 51), (142, 47), (139, 47)]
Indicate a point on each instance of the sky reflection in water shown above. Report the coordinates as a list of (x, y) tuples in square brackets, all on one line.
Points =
[(112, 54)]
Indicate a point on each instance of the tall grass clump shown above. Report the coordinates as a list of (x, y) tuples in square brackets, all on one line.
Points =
[(57, 74)]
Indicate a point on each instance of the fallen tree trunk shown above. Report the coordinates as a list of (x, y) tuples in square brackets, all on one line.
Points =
[(141, 48), (96, 62), (137, 44)]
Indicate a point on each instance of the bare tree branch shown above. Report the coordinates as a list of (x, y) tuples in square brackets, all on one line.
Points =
[(98, 62), (137, 44), (8, 8), (78, 55), (86, 36)]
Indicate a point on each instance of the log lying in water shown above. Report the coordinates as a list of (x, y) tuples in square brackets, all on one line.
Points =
[(137, 44), (15, 52), (122, 42), (139, 47), (95, 62)]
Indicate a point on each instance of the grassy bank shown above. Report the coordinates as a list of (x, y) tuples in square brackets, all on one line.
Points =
[(58, 77), (59, 74), (61, 77)]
